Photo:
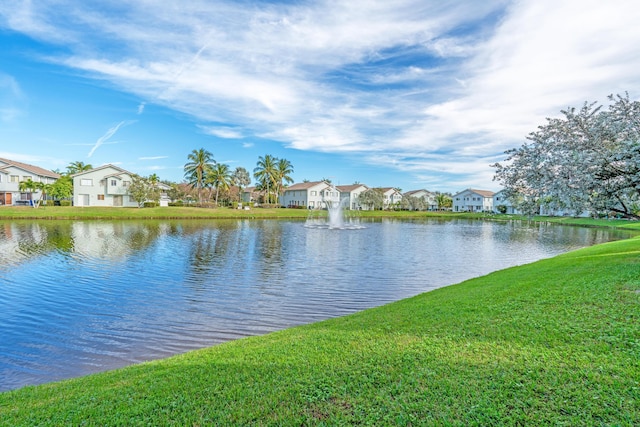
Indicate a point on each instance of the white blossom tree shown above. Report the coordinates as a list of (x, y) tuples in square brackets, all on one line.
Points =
[(589, 159)]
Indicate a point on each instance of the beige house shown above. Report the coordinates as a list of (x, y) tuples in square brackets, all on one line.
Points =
[(12, 173)]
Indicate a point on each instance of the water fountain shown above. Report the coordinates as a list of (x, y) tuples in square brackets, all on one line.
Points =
[(335, 219)]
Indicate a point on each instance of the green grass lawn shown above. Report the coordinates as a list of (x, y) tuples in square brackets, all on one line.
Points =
[(556, 342)]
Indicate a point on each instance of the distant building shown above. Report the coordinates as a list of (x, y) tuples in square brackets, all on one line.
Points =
[(471, 200), (352, 193), (12, 173), (499, 199), (391, 197), (312, 195)]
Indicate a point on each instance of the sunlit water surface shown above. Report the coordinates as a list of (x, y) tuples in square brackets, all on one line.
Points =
[(83, 297)]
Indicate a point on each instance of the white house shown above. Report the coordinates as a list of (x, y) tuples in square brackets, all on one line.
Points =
[(351, 192), (103, 186), (391, 197), (312, 195), (12, 173), (428, 197), (500, 199), (471, 200)]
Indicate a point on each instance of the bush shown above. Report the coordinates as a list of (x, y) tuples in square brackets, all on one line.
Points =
[(65, 202), (150, 204), (177, 203)]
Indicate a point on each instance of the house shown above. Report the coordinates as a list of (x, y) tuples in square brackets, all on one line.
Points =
[(391, 197), (499, 199), (12, 173), (428, 197), (312, 195), (103, 186), (471, 200), (349, 195), (251, 194)]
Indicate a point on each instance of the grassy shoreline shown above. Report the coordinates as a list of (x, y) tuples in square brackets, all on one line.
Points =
[(110, 213), (552, 342)]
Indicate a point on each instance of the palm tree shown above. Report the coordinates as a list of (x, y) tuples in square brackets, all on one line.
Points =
[(28, 186), (219, 177), (77, 167), (265, 173), (200, 161), (284, 169), (443, 201)]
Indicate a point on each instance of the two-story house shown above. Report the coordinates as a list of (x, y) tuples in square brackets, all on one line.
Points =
[(312, 195), (103, 186), (349, 195), (391, 197), (12, 173), (471, 200)]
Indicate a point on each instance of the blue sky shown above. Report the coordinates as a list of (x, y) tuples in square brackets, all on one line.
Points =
[(405, 93)]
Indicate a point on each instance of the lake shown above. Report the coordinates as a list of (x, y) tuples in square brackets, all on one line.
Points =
[(87, 296)]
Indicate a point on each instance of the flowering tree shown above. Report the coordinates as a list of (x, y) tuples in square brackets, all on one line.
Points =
[(589, 159)]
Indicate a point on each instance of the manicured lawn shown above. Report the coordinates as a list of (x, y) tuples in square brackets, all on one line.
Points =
[(556, 342)]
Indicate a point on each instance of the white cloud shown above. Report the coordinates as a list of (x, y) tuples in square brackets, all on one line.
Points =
[(432, 87), (153, 158)]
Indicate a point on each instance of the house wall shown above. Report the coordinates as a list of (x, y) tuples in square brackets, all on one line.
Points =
[(99, 187), (469, 201), (10, 179)]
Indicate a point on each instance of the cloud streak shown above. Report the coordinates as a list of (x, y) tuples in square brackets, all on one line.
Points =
[(104, 138)]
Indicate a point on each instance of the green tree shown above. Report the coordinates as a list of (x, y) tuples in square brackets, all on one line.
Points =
[(62, 188), (443, 201), (195, 170), (219, 177), (265, 174), (28, 186), (142, 190), (77, 167), (284, 169)]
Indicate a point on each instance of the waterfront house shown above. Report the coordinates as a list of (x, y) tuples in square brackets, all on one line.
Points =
[(12, 173), (471, 200), (312, 195), (391, 197), (103, 186), (349, 195)]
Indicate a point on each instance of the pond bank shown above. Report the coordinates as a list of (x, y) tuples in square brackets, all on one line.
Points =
[(553, 342)]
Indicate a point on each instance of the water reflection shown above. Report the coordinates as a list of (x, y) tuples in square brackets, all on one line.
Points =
[(80, 297)]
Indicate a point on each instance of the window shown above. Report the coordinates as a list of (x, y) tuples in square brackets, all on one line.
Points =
[(313, 193), (100, 196), (126, 183), (86, 182), (26, 178), (14, 178), (114, 182)]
